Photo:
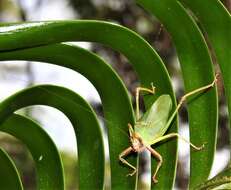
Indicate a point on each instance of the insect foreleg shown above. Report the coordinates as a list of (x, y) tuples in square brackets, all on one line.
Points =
[(172, 135), (159, 157), (138, 90), (125, 153), (183, 98)]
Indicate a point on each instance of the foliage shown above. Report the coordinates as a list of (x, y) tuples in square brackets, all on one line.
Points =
[(42, 41)]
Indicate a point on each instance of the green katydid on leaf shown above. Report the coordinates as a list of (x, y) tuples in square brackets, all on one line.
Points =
[(195, 61), (152, 126), (215, 20), (14, 35), (117, 108)]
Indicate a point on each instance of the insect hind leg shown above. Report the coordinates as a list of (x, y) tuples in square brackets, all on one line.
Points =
[(176, 135), (183, 98), (160, 161)]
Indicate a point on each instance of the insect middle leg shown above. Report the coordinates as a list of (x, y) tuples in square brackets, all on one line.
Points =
[(159, 157), (125, 153), (138, 90)]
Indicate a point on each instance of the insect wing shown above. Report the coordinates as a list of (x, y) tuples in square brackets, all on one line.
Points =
[(152, 124)]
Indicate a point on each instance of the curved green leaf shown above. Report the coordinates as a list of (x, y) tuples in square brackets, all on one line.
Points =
[(195, 62), (117, 114), (87, 130), (223, 186), (216, 21), (43, 150), (145, 60), (221, 181), (9, 175)]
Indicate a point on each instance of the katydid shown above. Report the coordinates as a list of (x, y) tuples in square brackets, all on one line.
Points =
[(152, 126)]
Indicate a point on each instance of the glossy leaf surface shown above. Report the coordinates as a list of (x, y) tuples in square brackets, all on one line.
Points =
[(195, 62), (44, 152), (83, 119), (221, 181), (109, 90), (146, 63), (216, 22), (9, 175)]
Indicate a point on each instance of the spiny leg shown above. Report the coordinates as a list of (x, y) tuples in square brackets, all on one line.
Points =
[(172, 135), (138, 90), (125, 153), (183, 98), (159, 157), (130, 129)]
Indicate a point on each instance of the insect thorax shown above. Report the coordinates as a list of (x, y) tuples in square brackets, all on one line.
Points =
[(137, 143)]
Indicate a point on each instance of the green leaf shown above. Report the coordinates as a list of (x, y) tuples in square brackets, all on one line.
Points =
[(44, 152), (117, 107), (9, 175), (216, 21), (223, 186), (221, 181), (91, 158), (144, 59), (197, 69)]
